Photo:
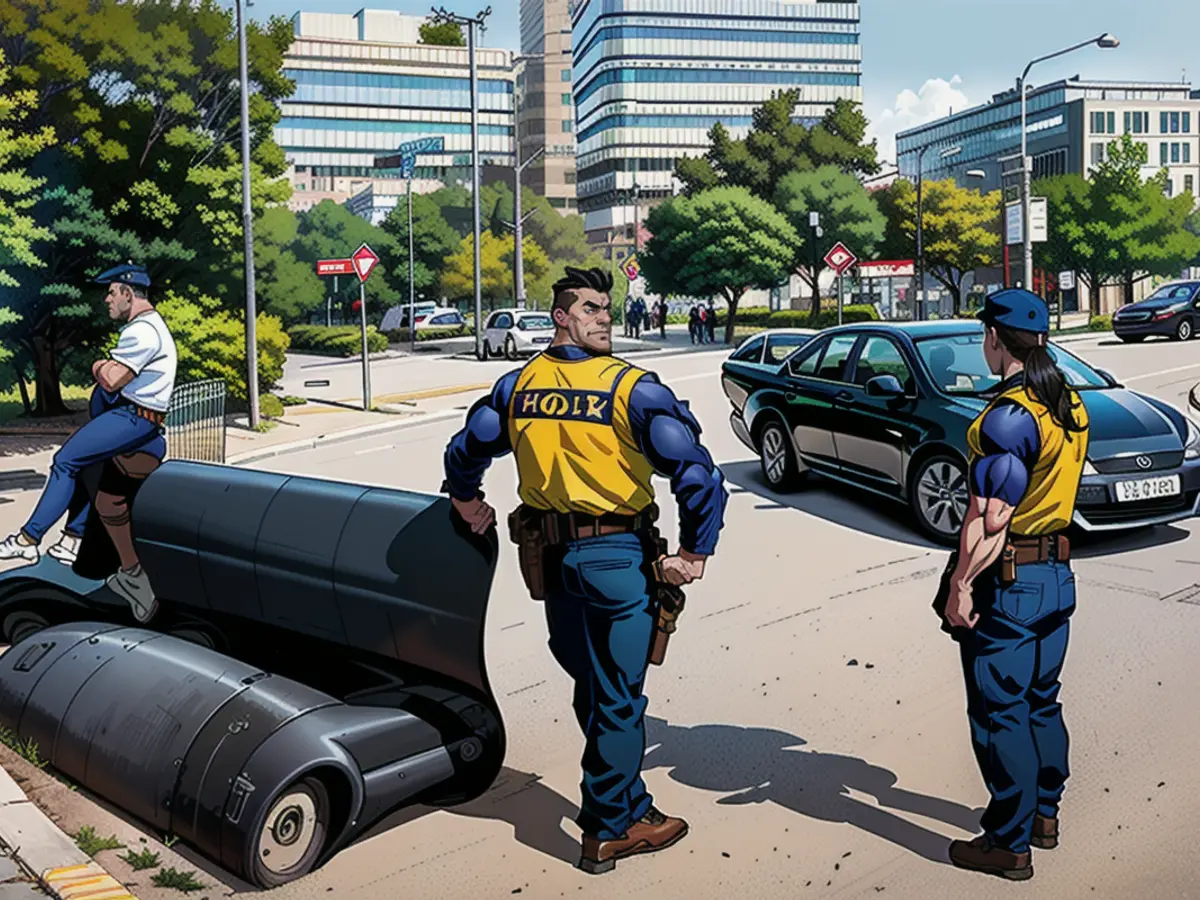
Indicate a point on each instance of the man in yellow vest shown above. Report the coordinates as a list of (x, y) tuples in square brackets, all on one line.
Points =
[(588, 432), (1012, 593)]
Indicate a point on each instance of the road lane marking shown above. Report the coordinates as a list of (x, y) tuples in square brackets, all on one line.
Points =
[(374, 449), (1164, 372), (785, 618)]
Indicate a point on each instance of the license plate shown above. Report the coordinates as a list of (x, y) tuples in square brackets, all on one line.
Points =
[(545, 340), (1148, 488)]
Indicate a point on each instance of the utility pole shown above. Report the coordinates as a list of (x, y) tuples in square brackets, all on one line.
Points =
[(518, 222), (814, 233), (412, 302), (441, 16), (248, 225)]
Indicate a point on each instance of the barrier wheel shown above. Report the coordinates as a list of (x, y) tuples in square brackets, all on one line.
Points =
[(22, 624), (292, 834)]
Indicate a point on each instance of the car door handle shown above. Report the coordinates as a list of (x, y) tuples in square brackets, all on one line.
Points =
[(789, 396), (843, 396)]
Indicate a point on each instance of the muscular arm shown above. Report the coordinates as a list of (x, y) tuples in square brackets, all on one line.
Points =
[(669, 435), (999, 479), (111, 375), (484, 438)]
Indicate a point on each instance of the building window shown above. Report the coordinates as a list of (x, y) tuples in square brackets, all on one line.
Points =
[(1175, 152), (566, 99), (1164, 122), (567, 125), (570, 203), (566, 74), (1187, 123), (558, 202), (1174, 123), (1170, 188), (1189, 184), (569, 176), (1163, 150), (1128, 123), (1112, 122), (1097, 153), (1187, 152)]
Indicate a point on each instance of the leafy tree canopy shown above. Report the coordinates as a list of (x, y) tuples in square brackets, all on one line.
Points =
[(442, 34)]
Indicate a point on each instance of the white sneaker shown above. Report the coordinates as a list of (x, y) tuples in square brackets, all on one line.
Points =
[(134, 586), (12, 547), (66, 551)]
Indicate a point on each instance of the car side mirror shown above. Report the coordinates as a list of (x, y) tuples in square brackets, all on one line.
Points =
[(1107, 376), (885, 386)]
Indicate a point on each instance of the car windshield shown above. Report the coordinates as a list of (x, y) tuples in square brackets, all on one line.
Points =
[(957, 366), (534, 323), (1177, 292)]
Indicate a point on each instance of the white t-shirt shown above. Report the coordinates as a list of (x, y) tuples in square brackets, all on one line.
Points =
[(146, 347)]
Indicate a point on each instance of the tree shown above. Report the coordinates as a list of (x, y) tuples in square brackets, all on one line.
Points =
[(330, 231), (960, 229), (287, 288), (848, 214), (724, 242), (433, 240), (1073, 240), (778, 145), (18, 143), (496, 268), (442, 34)]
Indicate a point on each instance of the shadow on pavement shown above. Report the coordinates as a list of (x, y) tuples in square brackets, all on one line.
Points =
[(534, 810), (761, 765), (830, 501), (1086, 546)]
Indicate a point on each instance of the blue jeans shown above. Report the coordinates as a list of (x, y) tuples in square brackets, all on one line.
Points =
[(114, 428), (600, 624), (1012, 661)]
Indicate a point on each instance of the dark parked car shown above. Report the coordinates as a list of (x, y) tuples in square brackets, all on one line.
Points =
[(886, 407), (1172, 311)]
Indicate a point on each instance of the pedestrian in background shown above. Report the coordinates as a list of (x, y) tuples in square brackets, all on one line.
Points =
[(694, 324), (662, 319), (710, 322), (1010, 592)]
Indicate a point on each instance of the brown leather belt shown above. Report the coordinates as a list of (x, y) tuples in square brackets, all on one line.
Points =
[(1047, 547), (150, 415), (572, 526)]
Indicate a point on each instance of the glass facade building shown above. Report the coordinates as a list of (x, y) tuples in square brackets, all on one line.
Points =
[(545, 105), (651, 77), (364, 85)]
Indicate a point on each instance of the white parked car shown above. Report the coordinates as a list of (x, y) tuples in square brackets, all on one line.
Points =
[(517, 332)]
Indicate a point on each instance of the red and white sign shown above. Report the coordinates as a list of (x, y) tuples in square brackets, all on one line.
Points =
[(335, 267), (365, 259), (840, 258), (888, 268)]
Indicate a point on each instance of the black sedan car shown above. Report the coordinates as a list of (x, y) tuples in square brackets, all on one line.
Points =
[(886, 407), (1172, 311)]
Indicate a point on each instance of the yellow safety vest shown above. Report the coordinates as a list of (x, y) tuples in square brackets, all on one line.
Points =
[(572, 440), (1049, 502)]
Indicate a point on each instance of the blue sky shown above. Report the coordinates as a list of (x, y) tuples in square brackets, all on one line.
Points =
[(922, 58)]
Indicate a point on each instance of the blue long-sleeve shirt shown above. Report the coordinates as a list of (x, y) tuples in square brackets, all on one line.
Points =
[(1010, 443), (666, 432)]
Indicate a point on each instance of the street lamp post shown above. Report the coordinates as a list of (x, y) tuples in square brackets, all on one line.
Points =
[(1105, 42), (440, 15), (248, 223), (518, 222), (920, 300)]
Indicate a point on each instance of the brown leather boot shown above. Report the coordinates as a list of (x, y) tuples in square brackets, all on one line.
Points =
[(650, 833), (1045, 833), (979, 856)]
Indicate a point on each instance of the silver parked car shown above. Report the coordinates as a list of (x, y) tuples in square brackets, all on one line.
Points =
[(516, 333)]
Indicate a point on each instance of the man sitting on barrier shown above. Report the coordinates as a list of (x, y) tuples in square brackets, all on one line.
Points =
[(128, 408)]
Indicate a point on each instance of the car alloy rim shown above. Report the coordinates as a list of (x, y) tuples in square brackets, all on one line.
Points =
[(1185, 329), (942, 496), (289, 831), (774, 455)]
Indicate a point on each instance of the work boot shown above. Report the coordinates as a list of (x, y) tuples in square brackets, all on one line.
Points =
[(134, 586), (1045, 833), (650, 833), (66, 551), (980, 856), (17, 546)]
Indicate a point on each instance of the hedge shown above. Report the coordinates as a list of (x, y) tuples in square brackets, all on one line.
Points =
[(1100, 323), (336, 340), (401, 336), (801, 318)]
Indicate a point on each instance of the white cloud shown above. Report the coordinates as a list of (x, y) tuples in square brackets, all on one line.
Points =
[(936, 98)]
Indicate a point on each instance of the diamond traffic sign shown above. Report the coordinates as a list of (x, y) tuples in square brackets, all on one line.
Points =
[(335, 267), (365, 260), (840, 258), (632, 268)]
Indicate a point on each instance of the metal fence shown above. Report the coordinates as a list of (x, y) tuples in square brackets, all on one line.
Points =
[(196, 422)]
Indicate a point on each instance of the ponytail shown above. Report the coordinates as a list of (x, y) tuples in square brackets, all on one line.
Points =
[(1043, 378)]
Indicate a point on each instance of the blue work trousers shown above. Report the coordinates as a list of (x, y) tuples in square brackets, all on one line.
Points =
[(113, 429), (1012, 661), (601, 624)]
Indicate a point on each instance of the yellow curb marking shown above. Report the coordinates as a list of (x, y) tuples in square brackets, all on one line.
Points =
[(85, 881), (425, 395)]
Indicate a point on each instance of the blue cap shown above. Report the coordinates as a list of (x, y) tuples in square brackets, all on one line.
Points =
[(1018, 309), (126, 274)]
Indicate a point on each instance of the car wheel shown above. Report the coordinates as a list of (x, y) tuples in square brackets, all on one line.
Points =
[(292, 834), (1132, 338), (1183, 331), (510, 348), (487, 349), (778, 458), (939, 497), (22, 624)]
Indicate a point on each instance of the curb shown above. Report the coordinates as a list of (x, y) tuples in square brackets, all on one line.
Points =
[(48, 855), (337, 437)]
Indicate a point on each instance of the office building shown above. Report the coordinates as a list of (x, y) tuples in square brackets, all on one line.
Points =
[(651, 77), (545, 105), (364, 85)]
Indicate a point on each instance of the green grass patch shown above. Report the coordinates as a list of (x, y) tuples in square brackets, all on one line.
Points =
[(143, 859), (11, 407), (91, 843), (179, 881), (27, 749), (289, 400)]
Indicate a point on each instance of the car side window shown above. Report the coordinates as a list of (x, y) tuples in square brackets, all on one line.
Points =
[(781, 346), (833, 363), (504, 320), (881, 356), (805, 364), (752, 352)]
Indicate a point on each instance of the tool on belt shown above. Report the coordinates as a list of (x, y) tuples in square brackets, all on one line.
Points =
[(668, 602)]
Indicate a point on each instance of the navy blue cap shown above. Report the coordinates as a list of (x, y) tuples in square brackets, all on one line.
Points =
[(126, 274), (1018, 309)]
